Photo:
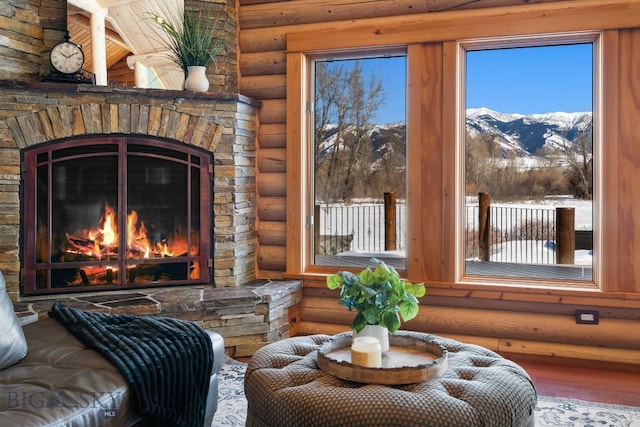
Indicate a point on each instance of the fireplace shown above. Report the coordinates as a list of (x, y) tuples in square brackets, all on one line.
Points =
[(115, 212)]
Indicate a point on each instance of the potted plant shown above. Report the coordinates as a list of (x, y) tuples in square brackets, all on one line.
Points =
[(191, 43), (380, 297)]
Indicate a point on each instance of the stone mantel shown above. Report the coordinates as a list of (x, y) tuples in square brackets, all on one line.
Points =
[(124, 90)]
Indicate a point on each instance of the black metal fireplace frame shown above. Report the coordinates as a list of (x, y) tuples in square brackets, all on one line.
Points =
[(33, 157)]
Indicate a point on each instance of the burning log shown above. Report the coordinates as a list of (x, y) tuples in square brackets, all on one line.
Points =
[(159, 272), (93, 249), (86, 276), (90, 247)]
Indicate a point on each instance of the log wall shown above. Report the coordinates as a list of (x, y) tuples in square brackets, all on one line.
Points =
[(273, 37), (262, 42)]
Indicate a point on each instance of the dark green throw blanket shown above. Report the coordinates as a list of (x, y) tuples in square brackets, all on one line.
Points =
[(166, 362)]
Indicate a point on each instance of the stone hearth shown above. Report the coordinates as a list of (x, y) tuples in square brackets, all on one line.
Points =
[(248, 316)]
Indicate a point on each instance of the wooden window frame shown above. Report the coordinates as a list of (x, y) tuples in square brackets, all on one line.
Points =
[(462, 47), (430, 40)]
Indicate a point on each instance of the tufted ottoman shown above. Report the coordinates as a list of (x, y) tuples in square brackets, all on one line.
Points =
[(285, 387)]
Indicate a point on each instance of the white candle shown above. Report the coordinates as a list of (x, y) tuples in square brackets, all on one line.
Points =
[(366, 351)]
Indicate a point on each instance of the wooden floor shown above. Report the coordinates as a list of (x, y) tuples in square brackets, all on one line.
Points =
[(593, 381)]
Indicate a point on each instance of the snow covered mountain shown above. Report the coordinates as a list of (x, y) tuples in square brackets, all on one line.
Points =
[(517, 134), (525, 134)]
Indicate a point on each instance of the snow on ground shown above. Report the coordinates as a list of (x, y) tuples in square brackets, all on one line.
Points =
[(535, 252), (583, 209)]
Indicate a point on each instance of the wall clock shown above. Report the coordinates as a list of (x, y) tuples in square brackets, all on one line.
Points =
[(67, 57), (67, 60)]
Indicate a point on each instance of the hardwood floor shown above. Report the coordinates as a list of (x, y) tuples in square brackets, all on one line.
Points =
[(594, 381)]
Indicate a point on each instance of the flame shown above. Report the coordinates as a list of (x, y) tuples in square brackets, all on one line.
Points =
[(105, 238), (137, 240), (103, 241)]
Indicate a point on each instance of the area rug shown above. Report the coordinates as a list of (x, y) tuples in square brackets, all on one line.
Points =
[(232, 405), (551, 411), (556, 411)]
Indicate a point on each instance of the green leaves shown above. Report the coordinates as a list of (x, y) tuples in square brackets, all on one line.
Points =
[(390, 320), (359, 323), (380, 296), (190, 38), (334, 281), (367, 278), (418, 290), (409, 309), (382, 273)]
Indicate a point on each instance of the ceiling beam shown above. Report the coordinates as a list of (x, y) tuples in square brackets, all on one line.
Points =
[(91, 6), (111, 35)]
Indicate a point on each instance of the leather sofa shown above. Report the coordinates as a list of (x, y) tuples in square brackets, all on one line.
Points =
[(61, 382)]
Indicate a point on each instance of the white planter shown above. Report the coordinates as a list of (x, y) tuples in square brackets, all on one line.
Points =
[(376, 331), (196, 79)]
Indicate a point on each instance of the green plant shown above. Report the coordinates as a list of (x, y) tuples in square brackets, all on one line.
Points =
[(189, 37), (380, 296)]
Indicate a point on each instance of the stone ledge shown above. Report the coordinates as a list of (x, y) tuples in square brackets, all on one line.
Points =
[(152, 93), (248, 316)]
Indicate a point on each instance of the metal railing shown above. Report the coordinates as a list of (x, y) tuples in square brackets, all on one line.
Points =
[(517, 234), (358, 227)]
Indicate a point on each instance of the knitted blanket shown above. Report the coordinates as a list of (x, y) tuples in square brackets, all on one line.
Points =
[(166, 362)]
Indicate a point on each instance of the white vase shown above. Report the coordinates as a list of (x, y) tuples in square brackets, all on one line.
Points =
[(376, 331), (196, 79)]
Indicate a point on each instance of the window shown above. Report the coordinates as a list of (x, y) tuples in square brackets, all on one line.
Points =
[(359, 160), (529, 146)]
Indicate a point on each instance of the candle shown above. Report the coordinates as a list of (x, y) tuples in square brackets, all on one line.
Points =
[(366, 351)]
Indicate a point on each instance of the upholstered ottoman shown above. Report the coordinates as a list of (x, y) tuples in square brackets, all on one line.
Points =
[(285, 387)]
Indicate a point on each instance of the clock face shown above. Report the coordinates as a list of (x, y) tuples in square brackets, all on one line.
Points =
[(67, 57)]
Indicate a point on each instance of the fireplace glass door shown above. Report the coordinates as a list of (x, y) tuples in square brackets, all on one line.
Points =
[(112, 213)]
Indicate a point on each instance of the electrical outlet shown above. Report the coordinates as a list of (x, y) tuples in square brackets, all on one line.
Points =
[(587, 317)]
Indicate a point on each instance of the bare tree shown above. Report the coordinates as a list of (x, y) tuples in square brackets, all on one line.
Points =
[(481, 163), (575, 157), (580, 159), (343, 113), (391, 153)]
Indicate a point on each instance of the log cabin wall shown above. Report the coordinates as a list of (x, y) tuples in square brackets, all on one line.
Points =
[(273, 38)]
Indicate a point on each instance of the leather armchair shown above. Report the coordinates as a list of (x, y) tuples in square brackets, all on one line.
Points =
[(62, 382)]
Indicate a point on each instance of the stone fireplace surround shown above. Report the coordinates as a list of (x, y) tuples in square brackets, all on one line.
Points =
[(38, 113)]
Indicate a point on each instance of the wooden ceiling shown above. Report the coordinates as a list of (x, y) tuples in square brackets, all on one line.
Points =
[(127, 32)]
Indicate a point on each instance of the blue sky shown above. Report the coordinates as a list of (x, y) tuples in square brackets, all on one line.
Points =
[(393, 74), (531, 80), (520, 80)]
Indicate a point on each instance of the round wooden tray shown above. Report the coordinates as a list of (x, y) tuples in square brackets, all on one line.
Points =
[(410, 359)]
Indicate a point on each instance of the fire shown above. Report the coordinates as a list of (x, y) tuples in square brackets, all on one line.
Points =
[(102, 242), (138, 242), (106, 237)]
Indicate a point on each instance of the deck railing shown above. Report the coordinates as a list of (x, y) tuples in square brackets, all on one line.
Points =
[(516, 234), (357, 227)]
